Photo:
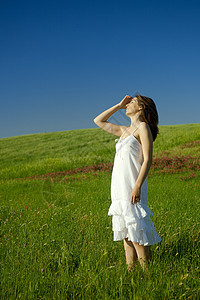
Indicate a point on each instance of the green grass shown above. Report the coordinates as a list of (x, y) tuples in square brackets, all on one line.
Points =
[(56, 238), (51, 152)]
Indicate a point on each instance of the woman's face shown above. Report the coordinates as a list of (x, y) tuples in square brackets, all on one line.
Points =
[(132, 107)]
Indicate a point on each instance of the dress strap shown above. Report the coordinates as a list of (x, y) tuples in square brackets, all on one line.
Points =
[(131, 132), (123, 132)]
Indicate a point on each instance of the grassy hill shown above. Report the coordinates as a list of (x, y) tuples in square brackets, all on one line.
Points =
[(56, 237), (28, 155)]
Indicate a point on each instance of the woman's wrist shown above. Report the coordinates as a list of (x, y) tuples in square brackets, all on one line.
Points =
[(137, 185), (118, 105)]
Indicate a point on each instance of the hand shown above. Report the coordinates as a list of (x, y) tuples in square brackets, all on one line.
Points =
[(125, 101), (135, 195)]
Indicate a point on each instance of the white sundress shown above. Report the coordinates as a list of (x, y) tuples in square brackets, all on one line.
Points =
[(130, 221)]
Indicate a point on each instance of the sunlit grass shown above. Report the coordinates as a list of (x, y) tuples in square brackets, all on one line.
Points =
[(56, 237), (58, 151)]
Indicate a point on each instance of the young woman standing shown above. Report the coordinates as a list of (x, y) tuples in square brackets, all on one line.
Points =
[(130, 214)]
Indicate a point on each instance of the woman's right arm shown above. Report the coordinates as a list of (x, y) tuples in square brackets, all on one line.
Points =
[(101, 120)]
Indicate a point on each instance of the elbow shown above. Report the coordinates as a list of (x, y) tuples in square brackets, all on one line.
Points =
[(148, 162), (95, 121)]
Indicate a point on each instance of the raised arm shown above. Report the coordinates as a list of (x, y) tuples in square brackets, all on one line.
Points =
[(101, 120)]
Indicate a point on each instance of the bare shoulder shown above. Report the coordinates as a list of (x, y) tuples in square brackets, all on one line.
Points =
[(143, 127), (144, 130)]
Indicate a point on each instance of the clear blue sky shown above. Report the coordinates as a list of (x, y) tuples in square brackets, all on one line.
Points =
[(64, 62)]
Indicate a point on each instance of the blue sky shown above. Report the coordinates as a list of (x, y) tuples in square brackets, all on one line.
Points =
[(64, 62)]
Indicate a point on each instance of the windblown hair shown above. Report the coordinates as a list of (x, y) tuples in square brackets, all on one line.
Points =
[(149, 114)]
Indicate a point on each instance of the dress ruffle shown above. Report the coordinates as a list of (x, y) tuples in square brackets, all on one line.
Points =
[(133, 221)]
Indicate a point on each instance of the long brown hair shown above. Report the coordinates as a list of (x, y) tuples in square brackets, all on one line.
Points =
[(149, 114)]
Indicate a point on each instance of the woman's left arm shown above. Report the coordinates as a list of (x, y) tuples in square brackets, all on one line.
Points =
[(147, 149)]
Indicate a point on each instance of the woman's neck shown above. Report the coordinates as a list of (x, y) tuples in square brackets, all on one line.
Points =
[(135, 122)]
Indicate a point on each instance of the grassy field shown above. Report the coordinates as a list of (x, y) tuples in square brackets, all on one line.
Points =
[(56, 238)]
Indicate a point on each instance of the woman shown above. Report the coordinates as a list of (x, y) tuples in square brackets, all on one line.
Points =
[(130, 214)]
